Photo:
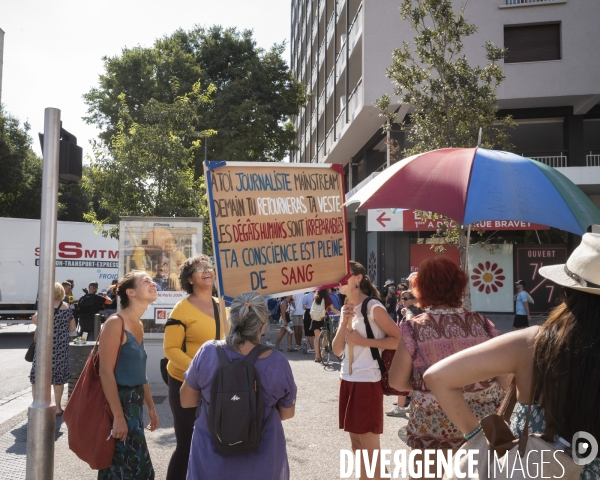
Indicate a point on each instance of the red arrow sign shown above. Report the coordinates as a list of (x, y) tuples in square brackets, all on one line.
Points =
[(381, 219)]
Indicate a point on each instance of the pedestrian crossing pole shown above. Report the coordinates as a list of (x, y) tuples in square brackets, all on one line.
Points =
[(42, 414)]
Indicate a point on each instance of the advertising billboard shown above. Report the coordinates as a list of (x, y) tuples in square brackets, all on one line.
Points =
[(159, 246)]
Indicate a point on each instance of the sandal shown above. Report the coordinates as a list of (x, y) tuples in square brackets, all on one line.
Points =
[(317, 360)]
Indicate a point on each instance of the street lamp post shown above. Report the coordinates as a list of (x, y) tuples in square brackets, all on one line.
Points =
[(42, 415)]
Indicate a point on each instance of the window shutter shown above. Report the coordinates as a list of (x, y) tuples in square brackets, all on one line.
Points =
[(532, 43)]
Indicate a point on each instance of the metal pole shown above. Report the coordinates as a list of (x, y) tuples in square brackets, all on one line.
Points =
[(42, 415)]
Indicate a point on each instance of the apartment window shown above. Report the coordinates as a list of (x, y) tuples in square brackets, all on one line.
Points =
[(532, 43)]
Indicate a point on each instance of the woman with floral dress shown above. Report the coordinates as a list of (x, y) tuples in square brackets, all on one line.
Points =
[(63, 324), (443, 329), (555, 366)]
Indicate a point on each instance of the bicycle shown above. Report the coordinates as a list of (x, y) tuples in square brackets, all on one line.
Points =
[(326, 336)]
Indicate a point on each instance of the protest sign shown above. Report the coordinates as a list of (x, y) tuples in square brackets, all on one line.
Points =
[(277, 228)]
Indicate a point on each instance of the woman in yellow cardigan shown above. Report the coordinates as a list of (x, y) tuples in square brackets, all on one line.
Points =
[(199, 315)]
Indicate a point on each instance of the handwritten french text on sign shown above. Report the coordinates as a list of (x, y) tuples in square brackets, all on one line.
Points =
[(277, 228)]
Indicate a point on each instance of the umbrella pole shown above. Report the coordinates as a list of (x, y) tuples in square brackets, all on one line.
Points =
[(467, 303)]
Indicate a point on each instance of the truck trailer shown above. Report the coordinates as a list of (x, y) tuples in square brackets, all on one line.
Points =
[(81, 255)]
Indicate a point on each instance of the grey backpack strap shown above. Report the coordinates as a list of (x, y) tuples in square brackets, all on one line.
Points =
[(223, 359)]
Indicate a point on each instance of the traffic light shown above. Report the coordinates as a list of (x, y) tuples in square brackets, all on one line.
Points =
[(70, 157)]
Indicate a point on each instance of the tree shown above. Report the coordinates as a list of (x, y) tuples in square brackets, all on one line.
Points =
[(148, 169), (21, 179), (451, 99), (255, 94)]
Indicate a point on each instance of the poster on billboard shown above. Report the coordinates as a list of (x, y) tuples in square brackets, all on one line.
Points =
[(277, 228), (529, 260), (159, 246), (491, 277)]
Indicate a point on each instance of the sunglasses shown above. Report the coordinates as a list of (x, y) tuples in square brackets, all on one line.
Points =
[(407, 298), (204, 268)]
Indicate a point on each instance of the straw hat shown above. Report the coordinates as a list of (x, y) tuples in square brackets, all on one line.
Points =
[(582, 270)]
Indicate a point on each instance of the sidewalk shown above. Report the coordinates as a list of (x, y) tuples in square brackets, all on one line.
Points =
[(313, 438)]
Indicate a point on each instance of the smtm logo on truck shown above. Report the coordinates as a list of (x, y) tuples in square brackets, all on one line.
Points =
[(72, 254)]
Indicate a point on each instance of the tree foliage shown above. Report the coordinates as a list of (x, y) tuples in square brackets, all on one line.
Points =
[(451, 99), (255, 91), (148, 170), (21, 179)]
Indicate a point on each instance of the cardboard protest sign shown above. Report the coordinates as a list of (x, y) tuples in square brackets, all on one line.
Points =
[(277, 228)]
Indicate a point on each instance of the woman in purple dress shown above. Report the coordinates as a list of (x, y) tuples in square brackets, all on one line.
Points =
[(248, 319)]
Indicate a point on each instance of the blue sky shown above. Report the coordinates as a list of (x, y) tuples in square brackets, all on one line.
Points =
[(53, 50)]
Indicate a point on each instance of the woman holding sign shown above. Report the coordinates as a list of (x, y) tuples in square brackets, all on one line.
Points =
[(361, 392)]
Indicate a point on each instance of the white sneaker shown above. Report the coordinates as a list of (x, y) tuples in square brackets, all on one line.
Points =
[(396, 412), (310, 350)]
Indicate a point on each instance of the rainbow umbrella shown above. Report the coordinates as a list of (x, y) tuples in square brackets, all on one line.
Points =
[(470, 185)]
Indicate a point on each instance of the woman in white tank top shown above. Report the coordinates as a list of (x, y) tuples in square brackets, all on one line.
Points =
[(361, 392)]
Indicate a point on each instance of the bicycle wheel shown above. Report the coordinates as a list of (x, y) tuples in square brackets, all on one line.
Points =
[(324, 348)]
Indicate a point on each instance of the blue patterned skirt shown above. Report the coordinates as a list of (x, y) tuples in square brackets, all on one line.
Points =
[(131, 459)]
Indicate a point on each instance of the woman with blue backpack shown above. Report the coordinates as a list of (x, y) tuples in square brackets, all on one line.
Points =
[(241, 383)]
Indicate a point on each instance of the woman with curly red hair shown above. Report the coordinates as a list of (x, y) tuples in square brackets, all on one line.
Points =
[(443, 329)]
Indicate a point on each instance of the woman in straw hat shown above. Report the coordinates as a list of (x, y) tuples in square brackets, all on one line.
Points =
[(556, 365)]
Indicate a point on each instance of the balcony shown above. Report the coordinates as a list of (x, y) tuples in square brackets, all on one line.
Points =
[(340, 123), (321, 8), (329, 141), (313, 122), (313, 77), (522, 2), (303, 32), (355, 30), (321, 54), (340, 7), (554, 161), (321, 153), (314, 30), (340, 63), (330, 28), (329, 86), (355, 101), (321, 105), (592, 160)]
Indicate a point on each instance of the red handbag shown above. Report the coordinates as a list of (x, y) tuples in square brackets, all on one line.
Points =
[(88, 416), (387, 356)]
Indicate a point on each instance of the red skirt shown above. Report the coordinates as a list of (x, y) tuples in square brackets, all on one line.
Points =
[(361, 407)]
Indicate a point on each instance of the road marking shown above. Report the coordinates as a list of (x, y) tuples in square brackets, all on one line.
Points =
[(14, 404)]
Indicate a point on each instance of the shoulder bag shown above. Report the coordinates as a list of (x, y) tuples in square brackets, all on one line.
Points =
[(384, 361), (497, 442), (89, 417), (165, 361)]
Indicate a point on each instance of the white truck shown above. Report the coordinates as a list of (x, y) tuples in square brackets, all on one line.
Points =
[(81, 255)]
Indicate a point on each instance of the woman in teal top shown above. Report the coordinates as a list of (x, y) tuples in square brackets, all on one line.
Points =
[(126, 387), (555, 366)]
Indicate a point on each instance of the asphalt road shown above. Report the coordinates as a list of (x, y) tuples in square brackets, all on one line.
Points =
[(14, 374)]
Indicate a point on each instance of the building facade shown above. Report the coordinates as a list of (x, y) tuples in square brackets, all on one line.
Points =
[(341, 49)]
